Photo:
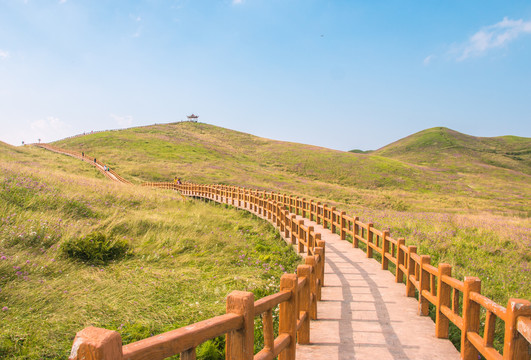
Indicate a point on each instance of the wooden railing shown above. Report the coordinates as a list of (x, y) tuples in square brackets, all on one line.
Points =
[(455, 301), (297, 301)]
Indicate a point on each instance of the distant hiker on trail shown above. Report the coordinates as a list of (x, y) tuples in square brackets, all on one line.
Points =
[(94, 160), (179, 181), (104, 167), (82, 154)]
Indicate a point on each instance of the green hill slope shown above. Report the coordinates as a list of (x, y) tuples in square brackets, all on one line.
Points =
[(470, 214), (412, 179), (47, 294), (202, 152), (455, 151)]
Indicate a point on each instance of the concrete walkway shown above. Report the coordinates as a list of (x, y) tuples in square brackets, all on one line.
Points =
[(364, 315)]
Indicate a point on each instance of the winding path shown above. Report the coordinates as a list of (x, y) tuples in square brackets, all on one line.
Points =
[(363, 313)]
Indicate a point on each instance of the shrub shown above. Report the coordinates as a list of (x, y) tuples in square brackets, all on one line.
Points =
[(95, 248)]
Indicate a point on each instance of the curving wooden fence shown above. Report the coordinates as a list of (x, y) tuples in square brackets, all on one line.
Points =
[(455, 301), (297, 302)]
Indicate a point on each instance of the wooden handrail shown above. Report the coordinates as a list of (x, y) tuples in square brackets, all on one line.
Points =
[(176, 341), (434, 284), (430, 281)]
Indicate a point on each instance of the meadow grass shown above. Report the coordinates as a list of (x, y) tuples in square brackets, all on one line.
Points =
[(185, 257), (468, 205), (439, 191)]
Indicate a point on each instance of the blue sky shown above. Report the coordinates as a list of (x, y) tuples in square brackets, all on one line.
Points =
[(339, 74)]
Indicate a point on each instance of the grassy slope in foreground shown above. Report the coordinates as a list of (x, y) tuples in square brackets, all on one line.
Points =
[(185, 256), (476, 221)]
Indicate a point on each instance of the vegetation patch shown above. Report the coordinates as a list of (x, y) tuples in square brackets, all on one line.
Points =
[(95, 248)]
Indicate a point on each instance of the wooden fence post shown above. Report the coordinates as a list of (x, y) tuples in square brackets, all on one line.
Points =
[(470, 317), (410, 288), (385, 249), (325, 217), (292, 224), (288, 314), (399, 274), (302, 236), (240, 343), (322, 244), (342, 224), (444, 294), (369, 239), (516, 346), (310, 260), (303, 335), (424, 284), (311, 240), (94, 343), (317, 213), (333, 219), (287, 224), (355, 230), (320, 270)]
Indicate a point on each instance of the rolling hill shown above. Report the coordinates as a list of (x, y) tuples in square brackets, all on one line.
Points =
[(57, 278), (418, 172), (446, 199), (459, 152)]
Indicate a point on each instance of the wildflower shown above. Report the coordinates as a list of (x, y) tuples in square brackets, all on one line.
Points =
[(5, 308)]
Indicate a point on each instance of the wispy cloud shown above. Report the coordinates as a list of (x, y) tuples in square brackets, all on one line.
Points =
[(4, 54), (237, 2), (137, 19), (494, 36), (123, 121), (62, 1), (428, 59), (49, 128)]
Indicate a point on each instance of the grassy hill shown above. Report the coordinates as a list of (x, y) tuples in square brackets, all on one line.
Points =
[(459, 208), (467, 212), (206, 153), (52, 204), (459, 152)]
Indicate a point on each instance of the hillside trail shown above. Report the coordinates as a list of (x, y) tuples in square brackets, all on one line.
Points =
[(363, 313), (98, 165)]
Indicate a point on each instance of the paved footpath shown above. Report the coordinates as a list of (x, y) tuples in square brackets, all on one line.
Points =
[(364, 315)]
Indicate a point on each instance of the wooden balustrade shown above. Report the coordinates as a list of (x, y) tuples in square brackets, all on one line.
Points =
[(296, 300), (455, 301)]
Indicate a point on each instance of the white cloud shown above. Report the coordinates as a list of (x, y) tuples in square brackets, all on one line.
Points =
[(62, 1), (123, 121), (237, 2), (428, 59), (48, 129), (494, 36), (137, 33), (4, 54)]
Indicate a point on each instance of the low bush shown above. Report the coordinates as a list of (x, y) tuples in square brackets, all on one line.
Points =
[(95, 248)]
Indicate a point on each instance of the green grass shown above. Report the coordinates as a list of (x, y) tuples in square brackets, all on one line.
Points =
[(185, 257), (440, 189), (461, 199)]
